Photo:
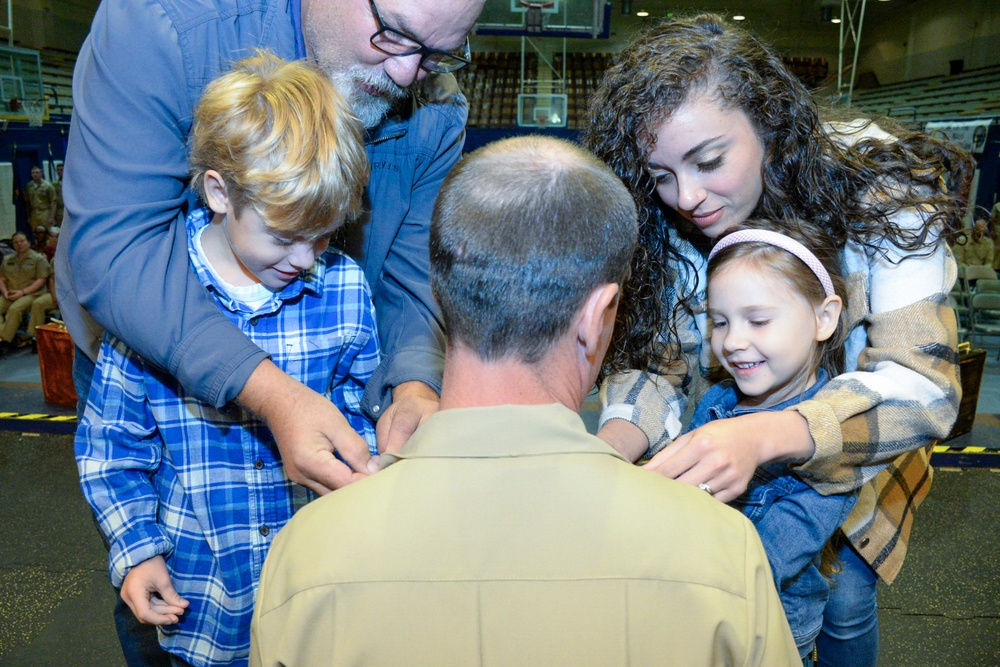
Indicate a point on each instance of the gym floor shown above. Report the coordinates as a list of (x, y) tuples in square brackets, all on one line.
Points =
[(56, 602)]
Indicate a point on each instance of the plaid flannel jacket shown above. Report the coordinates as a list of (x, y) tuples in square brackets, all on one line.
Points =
[(874, 427)]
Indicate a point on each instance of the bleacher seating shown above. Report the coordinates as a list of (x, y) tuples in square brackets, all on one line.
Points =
[(493, 82), (583, 73), (971, 94), (57, 78), (811, 71)]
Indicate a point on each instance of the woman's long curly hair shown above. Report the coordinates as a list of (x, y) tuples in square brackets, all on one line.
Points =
[(851, 193)]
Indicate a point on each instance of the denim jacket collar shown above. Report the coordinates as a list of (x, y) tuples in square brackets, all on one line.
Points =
[(727, 406)]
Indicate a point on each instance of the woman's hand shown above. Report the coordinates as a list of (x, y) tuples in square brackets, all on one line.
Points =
[(724, 454)]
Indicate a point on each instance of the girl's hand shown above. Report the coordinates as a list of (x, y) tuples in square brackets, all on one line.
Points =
[(625, 438), (724, 454)]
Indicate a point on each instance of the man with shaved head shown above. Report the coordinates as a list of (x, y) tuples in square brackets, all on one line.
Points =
[(503, 533)]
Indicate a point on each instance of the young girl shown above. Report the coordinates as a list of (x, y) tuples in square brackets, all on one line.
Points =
[(707, 128), (775, 307)]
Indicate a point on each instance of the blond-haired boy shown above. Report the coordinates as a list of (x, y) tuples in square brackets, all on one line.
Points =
[(191, 496)]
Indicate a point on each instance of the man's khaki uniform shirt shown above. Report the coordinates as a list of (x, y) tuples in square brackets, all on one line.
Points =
[(510, 536), (19, 273), (41, 197)]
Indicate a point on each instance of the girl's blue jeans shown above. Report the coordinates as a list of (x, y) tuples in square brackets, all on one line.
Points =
[(849, 637)]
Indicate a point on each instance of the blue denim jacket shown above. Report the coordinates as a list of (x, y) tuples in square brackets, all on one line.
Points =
[(123, 256), (793, 520)]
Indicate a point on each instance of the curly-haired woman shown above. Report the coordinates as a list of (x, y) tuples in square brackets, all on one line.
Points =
[(707, 128)]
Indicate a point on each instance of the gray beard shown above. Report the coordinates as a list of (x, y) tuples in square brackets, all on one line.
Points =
[(369, 109)]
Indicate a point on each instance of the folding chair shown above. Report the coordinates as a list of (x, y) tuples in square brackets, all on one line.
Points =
[(981, 326), (963, 331), (988, 285), (959, 297), (976, 272)]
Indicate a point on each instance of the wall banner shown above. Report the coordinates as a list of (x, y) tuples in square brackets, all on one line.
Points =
[(968, 134)]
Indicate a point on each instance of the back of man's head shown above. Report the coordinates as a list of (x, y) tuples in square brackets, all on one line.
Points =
[(523, 231)]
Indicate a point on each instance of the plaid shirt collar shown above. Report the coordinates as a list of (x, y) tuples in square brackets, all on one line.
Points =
[(310, 280)]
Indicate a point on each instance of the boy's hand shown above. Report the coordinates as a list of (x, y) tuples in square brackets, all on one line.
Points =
[(412, 403), (308, 429), (150, 595)]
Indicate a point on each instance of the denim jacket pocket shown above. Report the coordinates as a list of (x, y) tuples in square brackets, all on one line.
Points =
[(764, 490)]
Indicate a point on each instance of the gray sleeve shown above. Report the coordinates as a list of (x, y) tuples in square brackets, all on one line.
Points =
[(126, 197)]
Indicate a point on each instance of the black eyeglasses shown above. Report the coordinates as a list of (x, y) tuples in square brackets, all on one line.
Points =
[(395, 43)]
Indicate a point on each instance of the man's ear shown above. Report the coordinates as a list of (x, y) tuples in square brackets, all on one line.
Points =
[(599, 307), (828, 317), (215, 192)]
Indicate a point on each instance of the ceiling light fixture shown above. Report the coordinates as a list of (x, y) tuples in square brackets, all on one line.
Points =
[(739, 17), (642, 12)]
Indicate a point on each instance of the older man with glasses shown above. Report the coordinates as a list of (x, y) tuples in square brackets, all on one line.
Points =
[(123, 262)]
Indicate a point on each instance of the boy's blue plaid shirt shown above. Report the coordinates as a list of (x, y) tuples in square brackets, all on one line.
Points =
[(168, 474)]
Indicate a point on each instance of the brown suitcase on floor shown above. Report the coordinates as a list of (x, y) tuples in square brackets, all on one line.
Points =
[(55, 357), (971, 364)]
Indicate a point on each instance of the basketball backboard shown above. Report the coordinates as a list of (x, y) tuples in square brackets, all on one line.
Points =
[(542, 110), (20, 79), (545, 18)]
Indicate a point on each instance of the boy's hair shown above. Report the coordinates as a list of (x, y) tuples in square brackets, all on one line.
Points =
[(286, 142), (797, 275)]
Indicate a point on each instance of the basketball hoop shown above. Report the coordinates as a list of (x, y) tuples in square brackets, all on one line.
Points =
[(35, 111), (533, 22)]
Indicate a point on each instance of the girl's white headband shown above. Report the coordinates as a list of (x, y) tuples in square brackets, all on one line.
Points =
[(783, 242)]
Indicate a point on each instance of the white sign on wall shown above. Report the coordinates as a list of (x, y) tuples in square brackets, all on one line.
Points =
[(967, 134)]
